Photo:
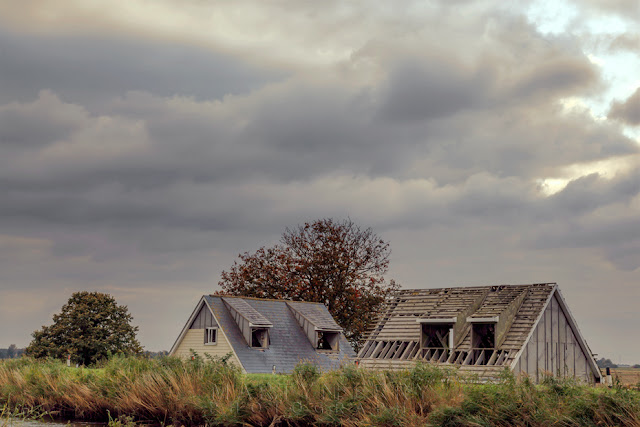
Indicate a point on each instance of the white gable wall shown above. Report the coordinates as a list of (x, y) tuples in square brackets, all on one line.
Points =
[(554, 348), (194, 338)]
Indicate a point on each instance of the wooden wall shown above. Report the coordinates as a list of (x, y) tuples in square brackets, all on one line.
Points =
[(194, 340), (204, 319), (553, 348)]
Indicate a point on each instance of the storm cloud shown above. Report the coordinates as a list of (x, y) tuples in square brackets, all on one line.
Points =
[(141, 159)]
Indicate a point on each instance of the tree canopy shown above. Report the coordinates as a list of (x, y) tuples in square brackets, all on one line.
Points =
[(90, 326), (333, 262)]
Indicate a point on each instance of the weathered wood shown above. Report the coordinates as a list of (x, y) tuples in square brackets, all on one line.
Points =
[(535, 337)]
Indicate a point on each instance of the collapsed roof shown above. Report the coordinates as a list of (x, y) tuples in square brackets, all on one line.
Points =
[(481, 330)]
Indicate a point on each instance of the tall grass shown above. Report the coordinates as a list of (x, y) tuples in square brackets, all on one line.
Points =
[(173, 391)]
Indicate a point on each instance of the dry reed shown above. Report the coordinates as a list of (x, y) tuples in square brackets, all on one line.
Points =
[(172, 391)]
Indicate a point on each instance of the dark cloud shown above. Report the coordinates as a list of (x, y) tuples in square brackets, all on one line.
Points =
[(434, 89), (143, 167), (38, 123), (88, 69), (586, 194), (627, 111)]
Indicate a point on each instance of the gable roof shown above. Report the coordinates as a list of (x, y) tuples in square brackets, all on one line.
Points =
[(289, 344), (514, 310)]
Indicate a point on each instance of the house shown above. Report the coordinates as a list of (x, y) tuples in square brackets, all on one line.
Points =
[(482, 330), (264, 335)]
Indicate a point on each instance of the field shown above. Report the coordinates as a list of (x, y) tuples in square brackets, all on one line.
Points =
[(625, 376), (172, 391)]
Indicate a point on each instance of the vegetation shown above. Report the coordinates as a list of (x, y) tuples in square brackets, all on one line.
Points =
[(605, 363), (90, 327), (335, 263), (173, 391), (11, 352)]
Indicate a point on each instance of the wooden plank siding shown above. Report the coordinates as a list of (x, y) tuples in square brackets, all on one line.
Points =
[(204, 319), (534, 334), (553, 349), (194, 340)]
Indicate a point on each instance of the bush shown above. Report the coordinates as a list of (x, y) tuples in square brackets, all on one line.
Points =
[(306, 373)]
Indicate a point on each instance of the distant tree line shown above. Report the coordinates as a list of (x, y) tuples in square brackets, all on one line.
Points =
[(12, 352), (607, 363)]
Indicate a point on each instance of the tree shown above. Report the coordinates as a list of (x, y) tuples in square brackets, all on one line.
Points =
[(605, 363), (11, 351), (335, 263), (90, 326)]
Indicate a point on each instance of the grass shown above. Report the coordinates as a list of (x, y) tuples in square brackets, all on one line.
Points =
[(173, 391)]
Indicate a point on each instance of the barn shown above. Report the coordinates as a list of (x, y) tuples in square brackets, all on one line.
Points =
[(263, 335), (481, 331)]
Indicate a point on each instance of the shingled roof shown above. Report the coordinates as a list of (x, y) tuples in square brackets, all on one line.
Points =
[(482, 330), (294, 329)]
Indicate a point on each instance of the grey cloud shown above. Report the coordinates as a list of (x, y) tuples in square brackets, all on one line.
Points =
[(434, 89), (522, 141), (627, 8), (626, 42), (591, 212), (282, 134), (138, 173), (616, 240), (627, 111), (586, 194), (559, 76), (293, 130), (88, 69), (38, 123)]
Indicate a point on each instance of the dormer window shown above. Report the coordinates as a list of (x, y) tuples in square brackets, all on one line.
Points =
[(328, 340), (318, 325), (260, 337), (253, 325), (483, 339), (483, 335), (436, 336), (436, 333)]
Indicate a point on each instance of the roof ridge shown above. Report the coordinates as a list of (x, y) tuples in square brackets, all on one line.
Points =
[(477, 287), (260, 299)]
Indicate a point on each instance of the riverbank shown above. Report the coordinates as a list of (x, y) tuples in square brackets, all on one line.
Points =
[(172, 391)]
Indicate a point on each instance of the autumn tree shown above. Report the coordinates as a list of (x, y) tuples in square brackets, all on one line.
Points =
[(333, 262), (90, 326)]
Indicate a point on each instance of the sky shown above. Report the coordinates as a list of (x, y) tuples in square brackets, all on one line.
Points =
[(145, 144)]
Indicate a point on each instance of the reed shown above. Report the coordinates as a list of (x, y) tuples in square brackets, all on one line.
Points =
[(197, 392)]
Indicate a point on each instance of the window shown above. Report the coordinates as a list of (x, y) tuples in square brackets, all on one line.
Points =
[(210, 336), (436, 335), (483, 335), (328, 340), (260, 337)]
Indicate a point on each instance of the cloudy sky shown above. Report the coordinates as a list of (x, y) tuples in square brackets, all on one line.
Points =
[(144, 144)]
